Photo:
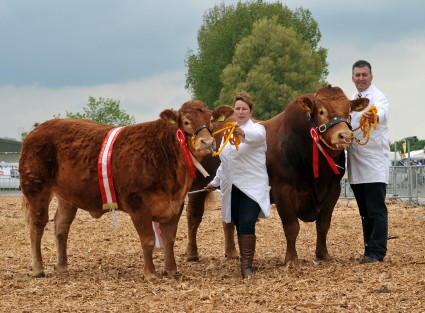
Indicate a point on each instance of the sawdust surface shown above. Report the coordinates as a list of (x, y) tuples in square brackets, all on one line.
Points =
[(106, 267)]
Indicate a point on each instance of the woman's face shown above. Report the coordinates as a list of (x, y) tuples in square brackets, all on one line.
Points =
[(242, 112)]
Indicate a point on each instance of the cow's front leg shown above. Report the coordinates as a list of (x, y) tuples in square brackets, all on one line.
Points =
[(143, 225), (65, 215), (229, 241), (291, 228), (194, 211), (168, 234), (322, 228)]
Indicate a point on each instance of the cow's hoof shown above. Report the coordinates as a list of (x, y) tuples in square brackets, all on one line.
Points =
[(39, 275), (325, 258), (172, 273), (291, 264), (193, 258), (150, 277), (61, 269), (230, 255)]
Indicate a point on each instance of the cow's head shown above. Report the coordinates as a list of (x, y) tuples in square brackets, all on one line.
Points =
[(222, 115), (195, 119), (329, 111)]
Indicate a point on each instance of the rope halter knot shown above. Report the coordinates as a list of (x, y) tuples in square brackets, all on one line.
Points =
[(365, 125), (227, 131)]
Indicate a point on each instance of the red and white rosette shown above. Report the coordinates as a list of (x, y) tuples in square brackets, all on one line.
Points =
[(316, 147)]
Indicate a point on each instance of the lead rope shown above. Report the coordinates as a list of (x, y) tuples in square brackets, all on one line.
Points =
[(227, 131), (328, 145), (365, 125)]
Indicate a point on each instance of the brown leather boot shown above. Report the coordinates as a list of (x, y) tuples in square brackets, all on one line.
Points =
[(247, 251)]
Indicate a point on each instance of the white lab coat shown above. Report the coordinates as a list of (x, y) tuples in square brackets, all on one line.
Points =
[(370, 163), (246, 169)]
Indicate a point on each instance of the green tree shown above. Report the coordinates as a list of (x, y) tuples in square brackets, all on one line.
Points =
[(106, 111), (225, 26), (415, 144), (24, 133), (274, 65)]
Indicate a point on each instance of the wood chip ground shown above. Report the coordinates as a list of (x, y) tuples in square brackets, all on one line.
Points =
[(105, 268)]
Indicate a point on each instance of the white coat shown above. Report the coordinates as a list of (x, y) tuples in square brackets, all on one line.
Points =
[(370, 163), (246, 169)]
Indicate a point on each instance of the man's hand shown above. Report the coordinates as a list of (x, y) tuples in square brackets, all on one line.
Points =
[(369, 116)]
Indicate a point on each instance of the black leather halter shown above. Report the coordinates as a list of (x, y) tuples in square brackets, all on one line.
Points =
[(332, 122), (198, 130)]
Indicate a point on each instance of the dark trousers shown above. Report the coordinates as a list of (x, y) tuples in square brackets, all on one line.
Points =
[(370, 199), (244, 212)]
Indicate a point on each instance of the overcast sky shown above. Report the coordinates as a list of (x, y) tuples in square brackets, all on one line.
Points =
[(55, 54)]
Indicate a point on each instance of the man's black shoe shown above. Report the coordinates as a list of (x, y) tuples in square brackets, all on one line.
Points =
[(368, 259)]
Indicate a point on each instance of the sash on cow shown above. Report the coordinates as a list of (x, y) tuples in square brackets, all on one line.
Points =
[(106, 183)]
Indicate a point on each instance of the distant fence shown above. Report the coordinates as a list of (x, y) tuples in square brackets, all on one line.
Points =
[(406, 183), (9, 179)]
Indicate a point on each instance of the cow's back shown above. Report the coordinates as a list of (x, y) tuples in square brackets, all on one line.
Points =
[(60, 148), (61, 155)]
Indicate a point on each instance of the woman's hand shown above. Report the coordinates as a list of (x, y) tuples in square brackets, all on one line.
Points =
[(210, 187), (239, 131)]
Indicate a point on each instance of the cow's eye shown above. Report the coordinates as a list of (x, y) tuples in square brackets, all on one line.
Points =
[(321, 112)]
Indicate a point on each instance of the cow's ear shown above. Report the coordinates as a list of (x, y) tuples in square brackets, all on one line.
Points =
[(222, 112), (359, 104), (306, 103), (170, 116)]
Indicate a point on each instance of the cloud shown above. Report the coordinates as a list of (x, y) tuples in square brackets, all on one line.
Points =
[(57, 54), (86, 43), (143, 99), (396, 67)]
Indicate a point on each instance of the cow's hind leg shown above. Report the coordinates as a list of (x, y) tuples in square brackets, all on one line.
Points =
[(37, 215), (64, 217)]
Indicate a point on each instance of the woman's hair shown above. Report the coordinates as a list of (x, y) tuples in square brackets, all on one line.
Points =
[(245, 97)]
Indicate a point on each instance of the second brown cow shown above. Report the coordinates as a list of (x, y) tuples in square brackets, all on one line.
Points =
[(305, 184)]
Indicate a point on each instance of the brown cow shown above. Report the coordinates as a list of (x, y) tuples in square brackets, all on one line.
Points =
[(295, 191), (150, 174), (196, 201)]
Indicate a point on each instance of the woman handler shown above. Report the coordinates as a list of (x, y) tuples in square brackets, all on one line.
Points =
[(243, 180)]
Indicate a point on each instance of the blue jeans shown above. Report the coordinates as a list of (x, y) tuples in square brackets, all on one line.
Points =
[(244, 212), (370, 199)]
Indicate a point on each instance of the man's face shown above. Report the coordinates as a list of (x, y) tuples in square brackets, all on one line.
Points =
[(362, 78)]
